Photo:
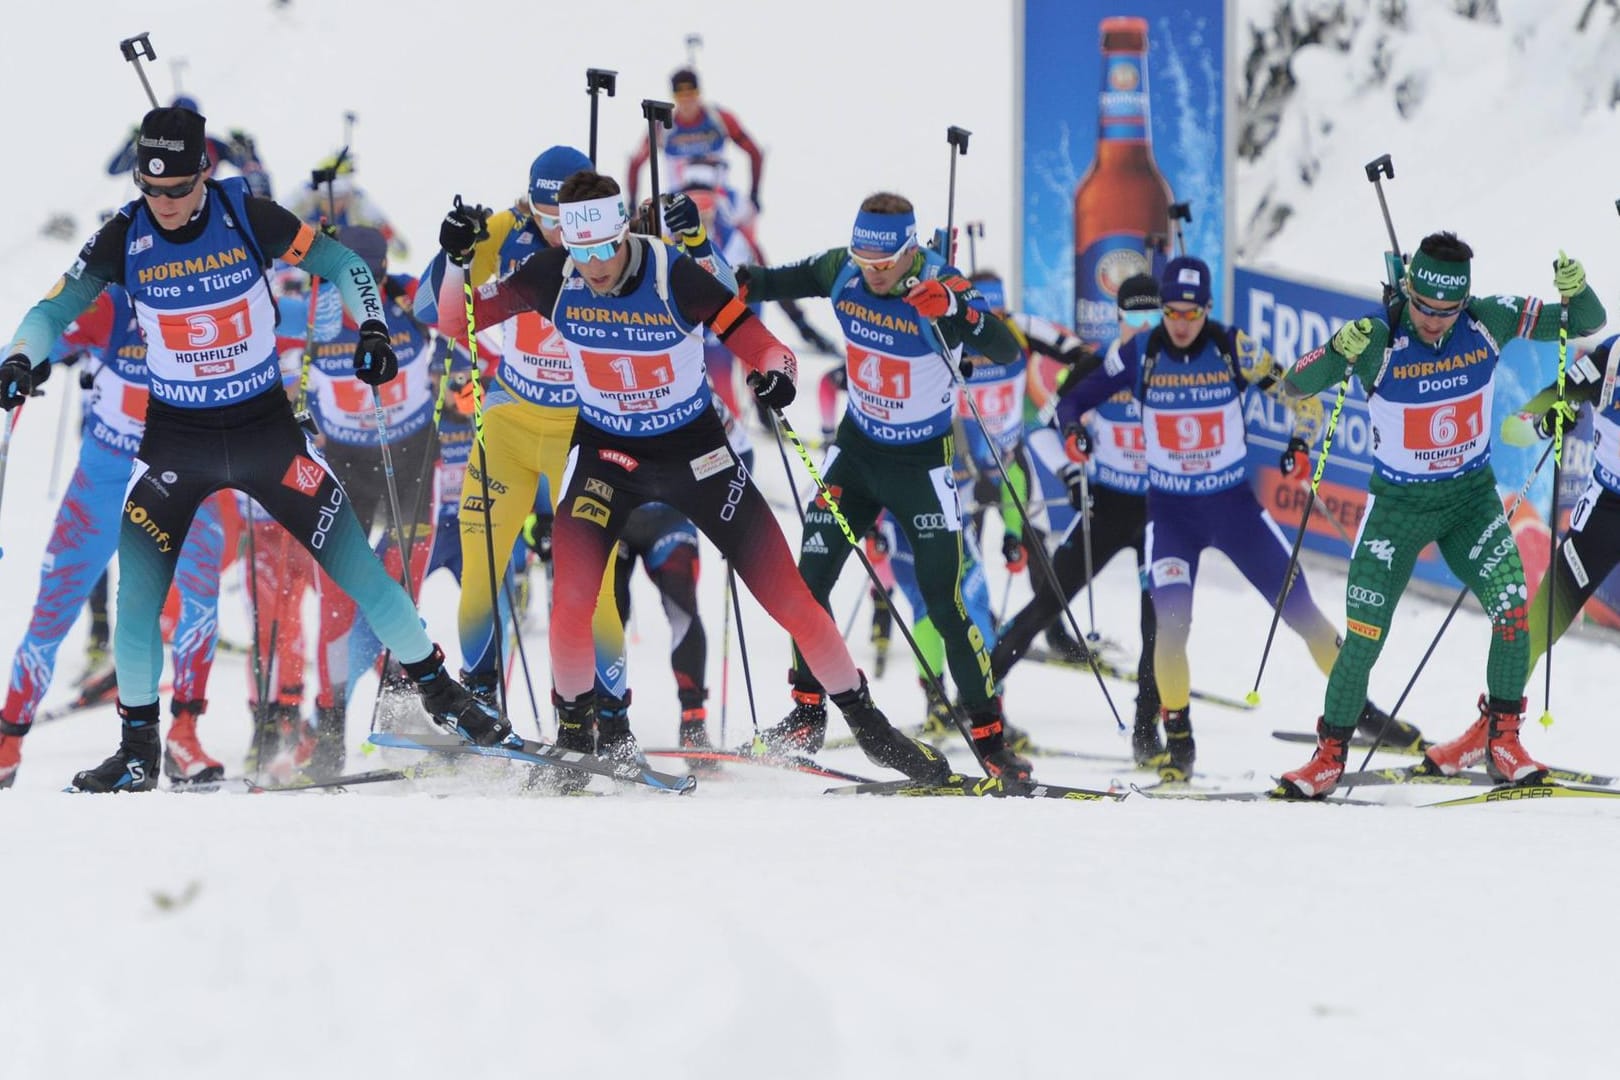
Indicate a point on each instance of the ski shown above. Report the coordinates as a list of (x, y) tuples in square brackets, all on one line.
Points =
[(534, 753), (975, 787), (1410, 775), (338, 783), (1114, 671), (1563, 776), (1521, 792), (1156, 791), (744, 756)]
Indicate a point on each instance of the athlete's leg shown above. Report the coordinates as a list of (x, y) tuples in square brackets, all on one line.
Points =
[(1588, 554), (1257, 547)]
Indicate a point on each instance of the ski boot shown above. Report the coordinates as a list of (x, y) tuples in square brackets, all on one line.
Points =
[(452, 708), (990, 742), (1180, 749), (1506, 759), (1147, 748), (802, 731), (1377, 724), (483, 685), (1464, 752), (184, 759), (1321, 774), (11, 737), (938, 724), (576, 731), (262, 746), (614, 739), (694, 731), (329, 755), (1064, 647), (135, 766), (882, 743), (295, 744)]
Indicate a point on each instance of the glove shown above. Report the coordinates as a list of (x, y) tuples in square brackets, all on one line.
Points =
[(1296, 461), (773, 389), (1352, 338), (1254, 362), (374, 359), (461, 228), (537, 534), (965, 366), (17, 381), (1013, 550), (1073, 475), (932, 299), (1077, 444), (1569, 276), (1549, 421), (682, 219)]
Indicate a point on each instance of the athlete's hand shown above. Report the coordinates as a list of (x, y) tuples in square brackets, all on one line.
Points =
[(1352, 338), (461, 228), (537, 534), (932, 299), (374, 359), (1569, 276), (17, 381), (1077, 443), (773, 389), (1013, 550), (1561, 415), (682, 219), (1296, 461), (1073, 475)]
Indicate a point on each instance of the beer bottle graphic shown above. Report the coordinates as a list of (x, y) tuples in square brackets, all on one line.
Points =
[(1123, 198)]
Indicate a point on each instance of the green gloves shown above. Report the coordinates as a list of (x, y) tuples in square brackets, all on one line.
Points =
[(1569, 276), (1525, 429), (1352, 338)]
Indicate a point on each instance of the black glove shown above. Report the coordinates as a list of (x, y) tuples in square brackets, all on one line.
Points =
[(1014, 552), (461, 228), (681, 216), (773, 389), (17, 381), (742, 275), (374, 359), (537, 534), (965, 366), (1296, 460), (1073, 476), (1077, 443)]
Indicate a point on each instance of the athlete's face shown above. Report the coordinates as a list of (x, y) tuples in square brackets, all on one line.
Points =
[(883, 271), (688, 104), (549, 224), (1184, 322), (171, 210), (1433, 318), (602, 274)]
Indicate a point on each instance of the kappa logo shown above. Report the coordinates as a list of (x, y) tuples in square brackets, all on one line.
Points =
[(1382, 550), (303, 475), (593, 486), (591, 511), (619, 458), (813, 545)]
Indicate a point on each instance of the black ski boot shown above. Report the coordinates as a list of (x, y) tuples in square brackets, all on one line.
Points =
[(483, 685), (1065, 647), (694, 732), (614, 739), (1147, 748), (576, 731), (1181, 751), (989, 728), (885, 745), (452, 708), (331, 741), (804, 730), (140, 755), (1392, 734)]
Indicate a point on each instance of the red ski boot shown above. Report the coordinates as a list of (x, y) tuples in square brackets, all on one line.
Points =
[(1321, 774)]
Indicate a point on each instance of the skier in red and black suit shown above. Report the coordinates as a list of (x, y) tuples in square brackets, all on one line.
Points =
[(632, 311), (694, 149)]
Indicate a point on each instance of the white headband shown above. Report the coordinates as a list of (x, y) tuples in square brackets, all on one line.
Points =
[(594, 221)]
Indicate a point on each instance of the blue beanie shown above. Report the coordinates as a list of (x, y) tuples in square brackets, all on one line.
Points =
[(550, 169), (1185, 280)]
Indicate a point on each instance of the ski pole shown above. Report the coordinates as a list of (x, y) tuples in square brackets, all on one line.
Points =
[(396, 522), (958, 141), (598, 81), (5, 452), (1085, 553), (522, 653), (742, 648), (134, 48), (975, 231), (1551, 582), (725, 651), (1253, 696), (787, 470), (61, 436), (831, 502), (1524, 493)]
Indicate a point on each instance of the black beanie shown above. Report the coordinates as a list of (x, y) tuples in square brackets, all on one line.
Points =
[(172, 142), (1139, 292), (684, 79)]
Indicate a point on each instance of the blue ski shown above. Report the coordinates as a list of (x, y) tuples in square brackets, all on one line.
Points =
[(534, 753)]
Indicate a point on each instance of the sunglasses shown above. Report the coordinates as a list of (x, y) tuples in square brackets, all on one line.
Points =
[(547, 221), (1434, 312), (173, 191), (584, 253), (882, 262), (1142, 320), (1183, 314)]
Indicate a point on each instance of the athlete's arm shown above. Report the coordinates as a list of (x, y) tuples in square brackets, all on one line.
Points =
[(1324, 365), (702, 298), (1080, 396), (297, 243), (973, 324), (637, 160), (746, 143), (1050, 339), (1525, 316), (813, 276), (100, 262)]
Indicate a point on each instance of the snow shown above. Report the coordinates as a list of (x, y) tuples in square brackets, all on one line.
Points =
[(755, 928)]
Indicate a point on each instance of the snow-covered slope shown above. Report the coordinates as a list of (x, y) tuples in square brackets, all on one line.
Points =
[(757, 929)]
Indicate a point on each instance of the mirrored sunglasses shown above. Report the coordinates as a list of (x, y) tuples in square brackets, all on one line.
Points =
[(171, 191), (1142, 320), (584, 253), (882, 262)]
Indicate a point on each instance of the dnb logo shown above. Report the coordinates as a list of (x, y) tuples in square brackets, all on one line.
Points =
[(303, 475)]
